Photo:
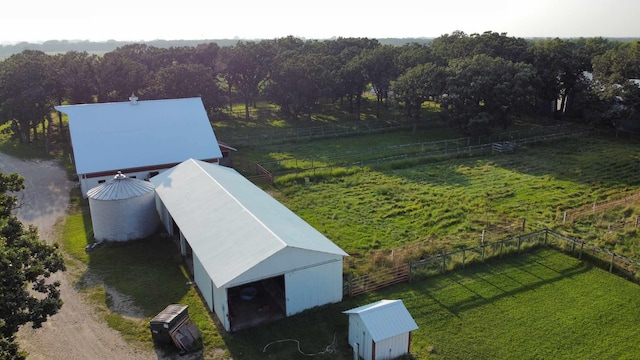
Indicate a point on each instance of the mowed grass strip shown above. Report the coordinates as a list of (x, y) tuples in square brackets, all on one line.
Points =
[(540, 305)]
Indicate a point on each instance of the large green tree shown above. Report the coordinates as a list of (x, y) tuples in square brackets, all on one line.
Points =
[(560, 63), (484, 92), (186, 80), (120, 76), (26, 263), (381, 68), (246, 68), (298, 81), (25, 92), (418, 85)]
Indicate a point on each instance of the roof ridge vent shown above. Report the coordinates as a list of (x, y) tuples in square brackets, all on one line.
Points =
[(133, 99)]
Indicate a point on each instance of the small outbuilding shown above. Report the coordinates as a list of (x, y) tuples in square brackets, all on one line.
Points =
[(381, 330), (123, 209)]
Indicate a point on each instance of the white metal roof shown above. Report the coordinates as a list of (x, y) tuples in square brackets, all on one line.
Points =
[(123, 135), (239, 232), (385, 318), (120, 188)]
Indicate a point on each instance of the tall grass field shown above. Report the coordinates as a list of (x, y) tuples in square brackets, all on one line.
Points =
[(450, 201)]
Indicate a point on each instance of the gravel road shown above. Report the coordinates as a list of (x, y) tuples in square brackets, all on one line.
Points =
[(75, 332)]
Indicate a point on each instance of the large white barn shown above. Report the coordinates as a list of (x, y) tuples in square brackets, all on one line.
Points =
[(254, 260), (138, 138)]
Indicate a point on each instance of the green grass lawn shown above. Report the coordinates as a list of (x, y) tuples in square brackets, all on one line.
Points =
[(540, 305)]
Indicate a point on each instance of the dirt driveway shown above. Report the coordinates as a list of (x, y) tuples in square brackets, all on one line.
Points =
[(75, 332)]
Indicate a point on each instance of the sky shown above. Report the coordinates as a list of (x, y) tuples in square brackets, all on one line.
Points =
[(144, 20)]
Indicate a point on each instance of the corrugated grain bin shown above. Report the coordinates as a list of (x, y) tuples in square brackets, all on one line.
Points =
[(123, 209), (163, 323)]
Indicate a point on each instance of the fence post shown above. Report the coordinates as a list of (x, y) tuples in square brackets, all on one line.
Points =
[(410, 271), (564, 218), (613, 255), (519, 242), (483, 246), (581, 247), (546, 234), (524, 222), (463, 258)]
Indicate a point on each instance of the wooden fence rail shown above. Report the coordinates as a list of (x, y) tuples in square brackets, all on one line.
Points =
[(435, 148), (459, 259), (571, 215)]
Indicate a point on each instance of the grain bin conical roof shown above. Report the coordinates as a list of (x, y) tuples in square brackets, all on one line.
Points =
[(120, 188)]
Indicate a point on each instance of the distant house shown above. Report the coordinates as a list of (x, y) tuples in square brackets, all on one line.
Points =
[(138, 138), (253, 259), (381, 330)]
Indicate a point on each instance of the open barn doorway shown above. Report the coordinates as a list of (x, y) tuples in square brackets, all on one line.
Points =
[(256, 303)]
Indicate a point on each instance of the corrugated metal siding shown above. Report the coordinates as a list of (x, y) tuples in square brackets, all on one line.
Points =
[(89, 183), (315, 286), (203, 281), (357, 334), (165, 218), (126, 219), (392, 347), (284, 261), (220, 303), (120, 188)]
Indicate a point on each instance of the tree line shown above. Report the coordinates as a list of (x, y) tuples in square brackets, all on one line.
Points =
[(481, 81)]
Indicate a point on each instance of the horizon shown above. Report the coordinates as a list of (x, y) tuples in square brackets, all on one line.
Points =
[(39, 21), (73, 41)]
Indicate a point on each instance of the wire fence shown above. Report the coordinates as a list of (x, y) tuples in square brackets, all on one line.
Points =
[(459, 259), (569, 216), (325, 164), (271, 137)]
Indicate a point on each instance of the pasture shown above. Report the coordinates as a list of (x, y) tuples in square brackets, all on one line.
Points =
[(447, 202)]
